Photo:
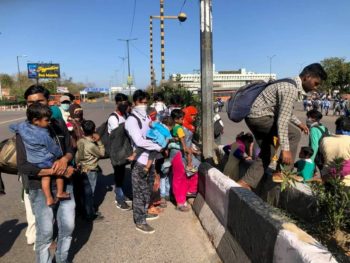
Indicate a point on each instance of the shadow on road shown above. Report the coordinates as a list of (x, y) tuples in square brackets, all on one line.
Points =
[(80, 237), (9, 231)]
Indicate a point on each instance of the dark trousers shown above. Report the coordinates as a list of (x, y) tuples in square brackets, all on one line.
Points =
[(264, 129), (89, 185), (2, 186), (119, 175), (141, 190)]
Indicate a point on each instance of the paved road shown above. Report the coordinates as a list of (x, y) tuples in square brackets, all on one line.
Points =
[(179, 236)]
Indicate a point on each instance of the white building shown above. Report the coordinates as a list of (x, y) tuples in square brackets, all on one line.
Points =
[(124, 90), (225, 82)]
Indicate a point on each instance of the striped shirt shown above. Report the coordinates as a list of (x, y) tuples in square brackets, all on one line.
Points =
[(278, 100)]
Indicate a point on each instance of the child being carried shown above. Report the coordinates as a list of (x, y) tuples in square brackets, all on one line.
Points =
[(42, 151), (159, 133)]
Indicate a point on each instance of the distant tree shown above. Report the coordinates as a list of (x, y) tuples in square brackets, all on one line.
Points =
[(6, 81), (338, 71)]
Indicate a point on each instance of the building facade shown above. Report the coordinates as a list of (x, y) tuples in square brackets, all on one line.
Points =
[(225, 82)]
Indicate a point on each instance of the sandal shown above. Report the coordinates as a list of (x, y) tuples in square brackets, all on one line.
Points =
[(154, 210), (183, 208)]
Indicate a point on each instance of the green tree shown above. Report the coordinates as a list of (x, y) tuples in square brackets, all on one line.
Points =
[(338, 71), (6, 81)]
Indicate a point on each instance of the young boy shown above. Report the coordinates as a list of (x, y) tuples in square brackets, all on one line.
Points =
[(90, 150), (317, 132), (305, 166), (41, 149), (179, 134)]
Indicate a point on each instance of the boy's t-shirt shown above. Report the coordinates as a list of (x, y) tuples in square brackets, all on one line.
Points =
[(178, 132), (306, 168)]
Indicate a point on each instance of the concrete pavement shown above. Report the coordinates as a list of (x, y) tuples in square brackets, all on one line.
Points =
[(179, 236)]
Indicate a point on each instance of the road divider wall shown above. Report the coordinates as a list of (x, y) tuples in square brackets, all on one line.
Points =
[(243, 228)]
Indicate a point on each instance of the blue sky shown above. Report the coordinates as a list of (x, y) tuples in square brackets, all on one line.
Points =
[(82, 35)]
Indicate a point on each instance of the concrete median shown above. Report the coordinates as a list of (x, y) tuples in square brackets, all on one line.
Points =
[(243, 228)]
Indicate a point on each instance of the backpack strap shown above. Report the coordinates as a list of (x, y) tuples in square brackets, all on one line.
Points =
[(324, 132), (113, 114), (137, 118)]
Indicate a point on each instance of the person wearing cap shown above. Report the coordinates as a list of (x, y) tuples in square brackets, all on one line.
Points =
[(64, 107)]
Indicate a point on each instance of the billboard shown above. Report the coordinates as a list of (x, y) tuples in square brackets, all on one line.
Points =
[(43, 71)]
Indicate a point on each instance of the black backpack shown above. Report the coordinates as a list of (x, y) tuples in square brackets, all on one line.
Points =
[(120, 143), (218, 128), (102, 130), (319, 158)]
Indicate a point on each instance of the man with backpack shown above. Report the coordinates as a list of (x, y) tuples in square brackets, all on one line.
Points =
[(31, 179), (271, 115), (117, 118), (137, 125)]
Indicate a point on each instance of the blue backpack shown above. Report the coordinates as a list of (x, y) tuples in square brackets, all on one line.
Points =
[(240, 104)]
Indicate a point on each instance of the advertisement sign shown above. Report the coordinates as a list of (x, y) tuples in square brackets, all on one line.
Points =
[(43, 71), (62, 90)]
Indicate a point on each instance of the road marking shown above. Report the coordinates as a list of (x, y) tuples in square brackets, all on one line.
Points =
[(12, 120)]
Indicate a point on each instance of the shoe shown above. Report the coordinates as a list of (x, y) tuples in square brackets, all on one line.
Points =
[(277, 177), (183, 208), (98, 217), (123, 206), (145, 228), (151, 217), (297, 178), (2, 193), (128, 200), (163, 203)]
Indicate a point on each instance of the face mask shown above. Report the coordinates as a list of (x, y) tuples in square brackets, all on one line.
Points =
[(141, 108), (123, 108), (65, 106)]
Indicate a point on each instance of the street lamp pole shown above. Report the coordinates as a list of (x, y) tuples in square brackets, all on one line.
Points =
[(129, 76), (206, 41), (271, 57), (18, 69)]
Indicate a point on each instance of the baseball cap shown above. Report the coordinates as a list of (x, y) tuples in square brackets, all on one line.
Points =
[(64, 98)]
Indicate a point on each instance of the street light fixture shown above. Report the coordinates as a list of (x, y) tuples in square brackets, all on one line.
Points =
[(19, 72), (182, 17)]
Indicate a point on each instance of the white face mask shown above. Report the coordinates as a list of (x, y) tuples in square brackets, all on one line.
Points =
[(141, 108)]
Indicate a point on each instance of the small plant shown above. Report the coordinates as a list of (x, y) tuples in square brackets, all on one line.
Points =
[(289, 178), (332, 199)]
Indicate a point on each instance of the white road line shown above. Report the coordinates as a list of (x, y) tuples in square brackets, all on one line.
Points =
[(12, 120)]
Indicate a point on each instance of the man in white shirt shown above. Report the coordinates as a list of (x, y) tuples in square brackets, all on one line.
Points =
[(116, 118)]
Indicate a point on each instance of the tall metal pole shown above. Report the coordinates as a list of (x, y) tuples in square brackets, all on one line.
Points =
[(129, 76), (19, 77), (151, 52), (162, 39), (206, 42)]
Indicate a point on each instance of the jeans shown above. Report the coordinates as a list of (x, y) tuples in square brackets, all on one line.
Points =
[(119, 175), (164, 186), (44, 218), (89, 184)]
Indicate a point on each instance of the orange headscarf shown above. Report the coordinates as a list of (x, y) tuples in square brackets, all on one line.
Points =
[(188, 120)]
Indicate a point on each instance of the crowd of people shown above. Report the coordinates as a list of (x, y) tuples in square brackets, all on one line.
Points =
[(325, 102), (57, 148), (58, 153)]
